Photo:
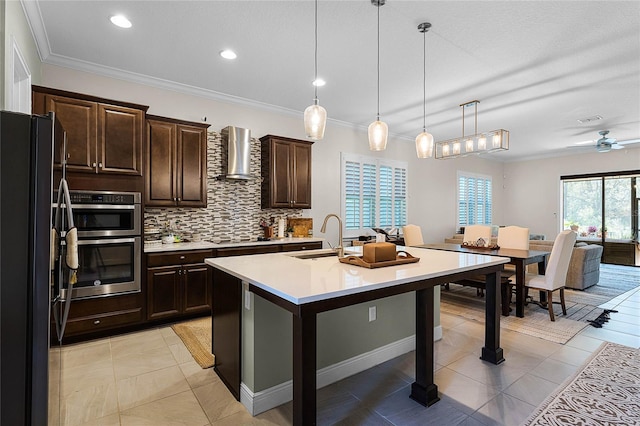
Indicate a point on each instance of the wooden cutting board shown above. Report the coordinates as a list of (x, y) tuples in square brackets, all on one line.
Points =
[(302, 226)]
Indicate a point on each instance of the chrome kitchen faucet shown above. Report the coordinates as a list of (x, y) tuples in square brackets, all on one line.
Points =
[(339, 248)]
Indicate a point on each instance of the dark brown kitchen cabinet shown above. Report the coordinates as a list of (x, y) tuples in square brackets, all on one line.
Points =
[(95, 317), (103, 136), (176, 163), (178, 284), (286, 172)]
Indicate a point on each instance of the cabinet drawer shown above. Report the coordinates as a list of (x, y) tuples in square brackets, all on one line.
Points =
[(312, 245), (239, 251), (103, 321), (178, 258)]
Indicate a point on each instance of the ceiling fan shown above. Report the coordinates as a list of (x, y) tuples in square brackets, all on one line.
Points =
[(606, 144)]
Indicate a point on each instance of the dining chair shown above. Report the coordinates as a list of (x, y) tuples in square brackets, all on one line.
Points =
[(513, 237), (556, 271), (412, 235), (473, 233)]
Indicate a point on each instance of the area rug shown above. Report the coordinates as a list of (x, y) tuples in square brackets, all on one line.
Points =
[(615, 280), (464, 302), (605, 391), (196, 335)]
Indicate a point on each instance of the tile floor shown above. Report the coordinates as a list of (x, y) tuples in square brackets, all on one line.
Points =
[(149, 378)]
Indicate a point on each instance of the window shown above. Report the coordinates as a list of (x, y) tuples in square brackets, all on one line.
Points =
[(601, 206), (474, 199), (374, 193)]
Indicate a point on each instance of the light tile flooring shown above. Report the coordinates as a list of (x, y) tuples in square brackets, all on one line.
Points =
[(149, 378)]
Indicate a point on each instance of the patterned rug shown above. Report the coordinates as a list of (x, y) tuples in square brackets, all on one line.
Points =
[(615, 280), (196, 336), (606, 391)]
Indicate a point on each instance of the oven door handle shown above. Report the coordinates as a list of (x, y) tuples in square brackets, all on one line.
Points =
[(106, 206), (106, 241)]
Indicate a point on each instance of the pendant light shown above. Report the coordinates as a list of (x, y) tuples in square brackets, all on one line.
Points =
[(315, 117), (378, 130), (424, 141)]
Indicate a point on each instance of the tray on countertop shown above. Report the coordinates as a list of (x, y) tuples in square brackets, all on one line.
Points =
[(402, 257)]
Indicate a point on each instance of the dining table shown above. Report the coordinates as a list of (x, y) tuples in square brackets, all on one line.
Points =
[(519, 258)]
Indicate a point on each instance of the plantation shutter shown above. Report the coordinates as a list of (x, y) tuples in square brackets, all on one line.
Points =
[(374, 193), (475, 200)]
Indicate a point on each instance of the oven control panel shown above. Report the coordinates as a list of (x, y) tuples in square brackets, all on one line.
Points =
[(104, 197)]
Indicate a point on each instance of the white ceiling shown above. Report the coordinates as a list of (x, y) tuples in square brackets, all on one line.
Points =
[(536, 66)]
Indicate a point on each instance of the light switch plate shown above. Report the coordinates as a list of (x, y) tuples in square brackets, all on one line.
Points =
[(372, 313)]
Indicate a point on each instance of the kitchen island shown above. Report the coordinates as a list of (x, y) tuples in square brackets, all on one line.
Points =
[(306, 286)]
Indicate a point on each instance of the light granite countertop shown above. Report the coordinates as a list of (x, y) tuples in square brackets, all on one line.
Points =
[(205, 245), (304, 280)]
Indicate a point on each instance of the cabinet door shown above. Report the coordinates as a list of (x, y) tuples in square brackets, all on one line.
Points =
[(301, 176), (163, 292), (79, 120), (281, 179), (120, 140), (192, 161), (161, 164), (195, 293)]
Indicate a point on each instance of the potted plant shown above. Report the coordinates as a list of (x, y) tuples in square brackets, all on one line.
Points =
[(574, 226)]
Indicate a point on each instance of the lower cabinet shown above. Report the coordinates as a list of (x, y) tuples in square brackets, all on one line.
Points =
[(178, 284), (99, 316)]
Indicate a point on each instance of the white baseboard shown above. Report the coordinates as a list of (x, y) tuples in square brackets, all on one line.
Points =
[(267, 399)]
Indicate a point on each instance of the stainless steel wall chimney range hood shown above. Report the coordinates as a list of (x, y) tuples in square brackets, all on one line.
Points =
[(236, 153)]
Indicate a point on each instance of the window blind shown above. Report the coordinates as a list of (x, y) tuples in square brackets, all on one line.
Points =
[(374, 193), (474, 199)]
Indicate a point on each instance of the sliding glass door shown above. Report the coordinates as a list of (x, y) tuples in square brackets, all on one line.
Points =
[(603, 209)]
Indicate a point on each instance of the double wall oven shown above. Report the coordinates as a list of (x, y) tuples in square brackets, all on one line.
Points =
[(109, 243)]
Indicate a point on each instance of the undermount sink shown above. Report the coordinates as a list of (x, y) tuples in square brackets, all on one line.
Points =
[(314, 255), (320, 254)]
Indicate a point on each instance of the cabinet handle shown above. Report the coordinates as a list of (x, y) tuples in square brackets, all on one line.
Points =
[(100, 165), (181, 257), (179, 199), (68, 155), (96, 322), (94, 165), (180, 272)]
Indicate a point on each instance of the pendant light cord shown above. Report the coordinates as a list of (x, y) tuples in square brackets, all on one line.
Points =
[(315, 78), (378, 106), (424, 81)]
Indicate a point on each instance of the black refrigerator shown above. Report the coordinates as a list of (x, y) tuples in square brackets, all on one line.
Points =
[(26, 183)]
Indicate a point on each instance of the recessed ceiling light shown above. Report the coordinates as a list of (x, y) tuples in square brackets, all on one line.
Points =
[(121, 21), (319, 82), (228, 54)]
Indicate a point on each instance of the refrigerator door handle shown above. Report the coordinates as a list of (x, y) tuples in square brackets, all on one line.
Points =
[(71, 259)]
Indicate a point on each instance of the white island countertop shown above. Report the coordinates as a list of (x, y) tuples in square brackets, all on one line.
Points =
[(303, 281), (205, 245)]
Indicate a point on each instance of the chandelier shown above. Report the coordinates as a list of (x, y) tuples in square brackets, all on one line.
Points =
[(478, 143), (315, 116)]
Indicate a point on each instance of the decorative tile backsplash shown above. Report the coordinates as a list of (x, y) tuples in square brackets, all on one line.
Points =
[(233, 210)]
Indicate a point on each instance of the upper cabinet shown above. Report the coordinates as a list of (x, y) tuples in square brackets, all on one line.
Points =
[(286, 172), (103, 136), (176, 163)]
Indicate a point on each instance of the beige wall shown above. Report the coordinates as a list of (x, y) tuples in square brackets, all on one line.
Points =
[(16, 30), (533, 188), (432, 183)]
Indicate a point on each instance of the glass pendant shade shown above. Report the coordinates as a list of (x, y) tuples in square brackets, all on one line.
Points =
[(378, 132), (315, 119), (424, 145)]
